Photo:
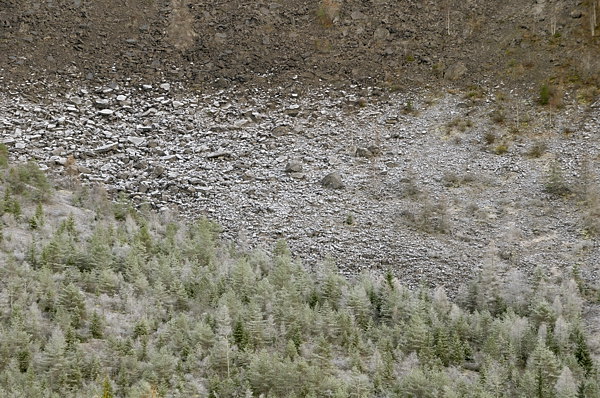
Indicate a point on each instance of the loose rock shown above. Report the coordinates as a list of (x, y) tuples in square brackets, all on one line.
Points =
[(333, 181), (293, 166)]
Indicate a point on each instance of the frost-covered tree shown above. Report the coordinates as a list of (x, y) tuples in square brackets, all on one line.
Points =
[(566, 386)]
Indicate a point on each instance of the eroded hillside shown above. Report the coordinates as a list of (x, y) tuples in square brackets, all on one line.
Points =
[(389, 43)]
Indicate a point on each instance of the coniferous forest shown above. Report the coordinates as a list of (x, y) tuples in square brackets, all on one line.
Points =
[(100, 299)]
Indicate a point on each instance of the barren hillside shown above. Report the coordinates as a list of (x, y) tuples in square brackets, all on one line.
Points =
[(396, 44)]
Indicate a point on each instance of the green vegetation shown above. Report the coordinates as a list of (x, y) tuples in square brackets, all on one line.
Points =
[(3, 156), (537, 149), (489, 137), (501, 149), (453, 180), (498, 116), (26, 180), (555, 184), (431, 218), (139, 305), (544, 95), (460, 124), (349, 219)]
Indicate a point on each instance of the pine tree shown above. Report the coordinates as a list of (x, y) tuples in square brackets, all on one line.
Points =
[(223, 321), (542, 372), (516, 292), (360, 305), (256, 327), (72, 300), (96, 326), (490, 284), (54, 360), (561, 333), (291, 351), (573, 304), (440, 301), (417, 334), (262, 372), (456, 355), (240, 335), (565, 386), (420, 384), (243, 279), (442, 345), (331, 284), (495, 377), (582, 352), (322, 354), (220, 358), (108, 281)]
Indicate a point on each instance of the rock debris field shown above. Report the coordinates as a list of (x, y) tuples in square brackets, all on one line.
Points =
[(423, 184)]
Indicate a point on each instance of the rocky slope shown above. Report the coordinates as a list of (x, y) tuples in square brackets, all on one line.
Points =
[(431, 185)]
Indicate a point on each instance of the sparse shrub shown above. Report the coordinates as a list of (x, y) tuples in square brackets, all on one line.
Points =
[(349, 219), (489, 138), (498, 116), (537, 149), (328, 11), (475, 92), (501, 149), (28, 179), (591, 212), (544, 95), (409, 107), (587, 95), (3, 156), (431, 218), (451, 180), (556, 96), (555, 182), (461, 124), (324, 46), (410, 189)]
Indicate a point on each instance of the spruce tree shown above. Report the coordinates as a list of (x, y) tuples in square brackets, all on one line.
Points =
[(417, 334), (96, 326), (72, 300), (582, 352), (542, 372)]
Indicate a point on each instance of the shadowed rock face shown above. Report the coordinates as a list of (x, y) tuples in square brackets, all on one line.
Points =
[(210, 44)]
